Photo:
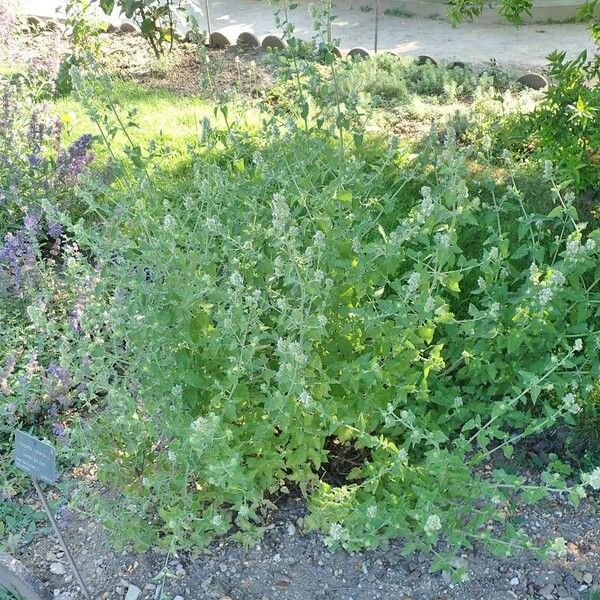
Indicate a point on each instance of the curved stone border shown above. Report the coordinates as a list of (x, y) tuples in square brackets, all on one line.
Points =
[(359, 53), (336, 52), (53, 25), (458, 64), (533, 81), (15, 577), (272, 41), (218, 40), (247, 39), (34, 24), (426, 60), (128, 28)]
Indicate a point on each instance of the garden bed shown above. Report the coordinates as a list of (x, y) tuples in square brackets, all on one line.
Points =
[(336, 312)]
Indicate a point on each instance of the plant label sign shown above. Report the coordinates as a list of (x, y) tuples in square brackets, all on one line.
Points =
[(35, 457)]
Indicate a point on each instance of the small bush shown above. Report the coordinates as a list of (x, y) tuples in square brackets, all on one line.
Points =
[(565, 127), (286, 302)]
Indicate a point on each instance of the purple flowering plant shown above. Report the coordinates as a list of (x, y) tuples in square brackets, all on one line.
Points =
[(45, 282)]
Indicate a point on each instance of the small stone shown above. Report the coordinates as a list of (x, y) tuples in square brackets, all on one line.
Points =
[(178, 598), (219, 40), (358, 53), (588, 578), (446, 577), (291, 530), (514, 581), (247, 39), (533, 81), (277, 558), (223, 567), (132, 592), (56, 592), (272, 41), (57, 568), (547, 590)]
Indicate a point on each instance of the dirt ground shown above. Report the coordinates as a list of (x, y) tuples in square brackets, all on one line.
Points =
[(290, 564)]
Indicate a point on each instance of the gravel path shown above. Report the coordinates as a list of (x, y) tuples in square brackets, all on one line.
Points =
[(290, 564), (475, 43)]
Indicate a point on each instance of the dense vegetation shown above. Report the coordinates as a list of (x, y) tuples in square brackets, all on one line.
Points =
[(219, 320)]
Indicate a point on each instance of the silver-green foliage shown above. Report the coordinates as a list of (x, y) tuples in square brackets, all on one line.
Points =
[(284, 298)]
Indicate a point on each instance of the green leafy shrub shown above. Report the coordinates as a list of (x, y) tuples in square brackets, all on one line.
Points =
[(155, 18), (289, 300), (388, 78), (565, 126)]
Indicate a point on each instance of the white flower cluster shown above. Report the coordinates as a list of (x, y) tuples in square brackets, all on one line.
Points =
[(414, 280), (491, 256), (443, 239), (427, 204), (432, 525), (319, 239), (336, 533), (494, 310), (280, 212), (429, 304), (257, 158), (305, 398), (570, 403), (212, 225), (574, 249), (552, 283), (592, 479), (291, 351), (236, 279)]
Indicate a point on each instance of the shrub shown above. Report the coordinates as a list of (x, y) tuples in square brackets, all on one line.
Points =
[(389, 78), (44, 280), (155, 18), (565, 126), (287, 303)]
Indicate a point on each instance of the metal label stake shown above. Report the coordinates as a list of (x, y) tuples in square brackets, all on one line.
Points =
[(38, 459)]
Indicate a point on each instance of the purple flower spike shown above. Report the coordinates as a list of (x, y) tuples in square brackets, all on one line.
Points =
[(54, 230), (32, 222), (74, 159)]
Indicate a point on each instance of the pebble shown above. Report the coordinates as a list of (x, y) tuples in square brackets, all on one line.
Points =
[(547, 590), (132, 592), (178, 598), (57, 568), (514, 581), (588, 578)]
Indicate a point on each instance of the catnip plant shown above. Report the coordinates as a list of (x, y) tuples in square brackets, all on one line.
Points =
[(283, 303)]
